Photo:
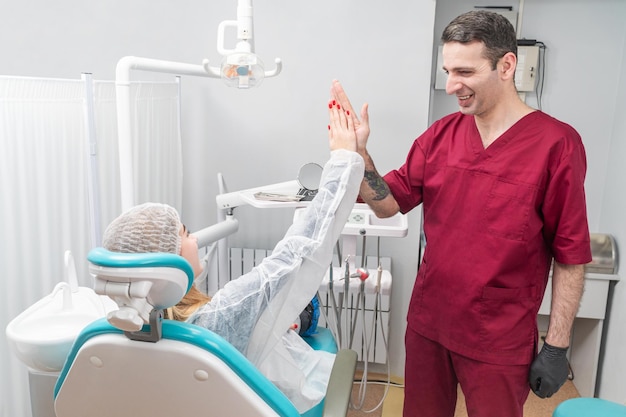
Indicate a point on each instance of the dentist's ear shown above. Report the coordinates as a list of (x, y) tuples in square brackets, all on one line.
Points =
[(508, 64)]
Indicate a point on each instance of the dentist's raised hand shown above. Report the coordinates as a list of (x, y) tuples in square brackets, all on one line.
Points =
[(362, 126), (341, 134)]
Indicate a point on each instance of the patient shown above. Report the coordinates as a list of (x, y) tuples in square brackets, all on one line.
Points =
[(255, 312)]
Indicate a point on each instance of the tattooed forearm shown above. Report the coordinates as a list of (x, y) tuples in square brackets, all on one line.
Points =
[(377, 184)]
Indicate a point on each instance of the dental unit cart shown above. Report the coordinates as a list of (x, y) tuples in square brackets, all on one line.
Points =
[(368, 279), (361, 285), (355, 293)]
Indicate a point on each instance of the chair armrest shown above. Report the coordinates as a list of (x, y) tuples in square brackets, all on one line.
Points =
[(339, 389)]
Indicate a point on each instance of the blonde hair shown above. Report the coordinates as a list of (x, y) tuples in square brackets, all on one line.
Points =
[(187, 306)]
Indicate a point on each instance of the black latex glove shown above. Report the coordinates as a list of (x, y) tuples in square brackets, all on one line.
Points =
[(549, 371)]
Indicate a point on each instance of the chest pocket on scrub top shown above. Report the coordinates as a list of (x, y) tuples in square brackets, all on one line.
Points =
[(507, 209)]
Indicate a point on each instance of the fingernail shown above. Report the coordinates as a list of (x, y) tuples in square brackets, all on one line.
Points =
[(328, 127), (338, 106), (334, 102), (330, 106), (348, 112)]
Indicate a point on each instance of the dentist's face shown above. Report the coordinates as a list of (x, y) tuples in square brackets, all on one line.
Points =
[(471, 77), (189, 250)]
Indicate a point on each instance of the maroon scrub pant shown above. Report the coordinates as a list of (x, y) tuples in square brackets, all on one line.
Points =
[(432, 373)]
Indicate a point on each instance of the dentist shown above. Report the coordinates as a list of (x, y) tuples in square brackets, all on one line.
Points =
[(502, 188)]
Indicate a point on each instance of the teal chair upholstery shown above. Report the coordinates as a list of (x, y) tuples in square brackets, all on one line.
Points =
[(589, 407)]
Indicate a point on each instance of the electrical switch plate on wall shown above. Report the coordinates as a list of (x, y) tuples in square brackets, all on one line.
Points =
[(527, 68)]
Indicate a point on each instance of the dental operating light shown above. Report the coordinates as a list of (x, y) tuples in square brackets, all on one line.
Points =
[(240, 67)]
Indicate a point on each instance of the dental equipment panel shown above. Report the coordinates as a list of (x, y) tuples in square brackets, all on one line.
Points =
[(361, 285), (355, 300), (339, 295), (355, 293)]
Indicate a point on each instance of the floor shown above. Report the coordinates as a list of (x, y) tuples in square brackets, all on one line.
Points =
[(392, 406)]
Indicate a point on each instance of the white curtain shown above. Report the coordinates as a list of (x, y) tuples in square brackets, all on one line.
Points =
[(157, 153), (45, 157)]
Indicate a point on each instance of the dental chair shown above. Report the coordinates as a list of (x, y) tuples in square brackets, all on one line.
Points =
[(135, 363)]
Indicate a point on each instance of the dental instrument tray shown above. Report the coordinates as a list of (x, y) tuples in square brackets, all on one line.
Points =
[(284, 194), (265, 196)]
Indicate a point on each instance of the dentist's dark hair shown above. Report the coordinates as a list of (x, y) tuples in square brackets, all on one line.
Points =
[(492, 29)]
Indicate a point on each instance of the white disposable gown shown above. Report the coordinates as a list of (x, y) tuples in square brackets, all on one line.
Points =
[(255, 311)]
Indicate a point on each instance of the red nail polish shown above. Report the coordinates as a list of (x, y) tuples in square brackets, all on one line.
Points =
[(348, 112), (330, 106), (338, 106), (328, 127), (334, 102)]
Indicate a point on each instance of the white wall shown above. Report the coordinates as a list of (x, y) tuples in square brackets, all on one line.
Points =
[(613, 219), (586, 87), (262, 136)]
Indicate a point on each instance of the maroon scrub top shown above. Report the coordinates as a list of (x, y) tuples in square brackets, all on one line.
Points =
[(493, 219)]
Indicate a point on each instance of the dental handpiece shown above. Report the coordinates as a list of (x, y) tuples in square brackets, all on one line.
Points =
[(345, 306), (362, 274), (330, 277), (346, 277), (333, 304), (362, 232), (379, 276)]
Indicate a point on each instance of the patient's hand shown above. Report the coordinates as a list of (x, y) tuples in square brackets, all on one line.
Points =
[(341, 134), (361, 127)]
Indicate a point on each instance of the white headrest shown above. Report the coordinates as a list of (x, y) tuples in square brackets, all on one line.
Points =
[(139, 283)]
